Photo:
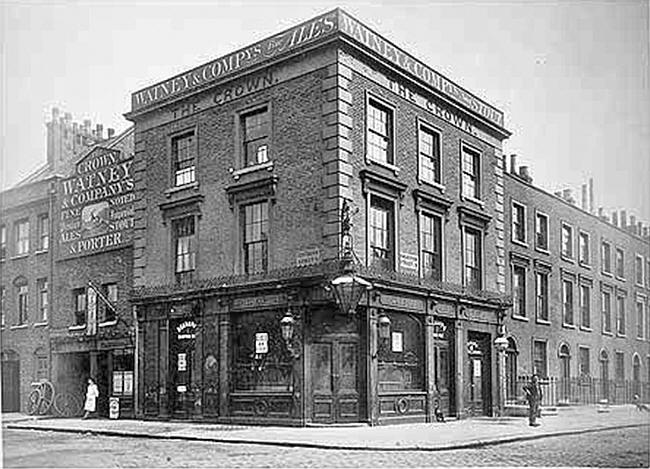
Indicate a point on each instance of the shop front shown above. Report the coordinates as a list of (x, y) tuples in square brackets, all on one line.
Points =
[(288, 355)]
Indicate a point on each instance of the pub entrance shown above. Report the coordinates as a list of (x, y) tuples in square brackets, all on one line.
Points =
[(181, 365), (335, 371), (479, 366)]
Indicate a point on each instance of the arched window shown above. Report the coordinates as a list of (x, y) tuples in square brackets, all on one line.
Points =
[(511, 369), (565, 372), (41, 365), (636, 374)]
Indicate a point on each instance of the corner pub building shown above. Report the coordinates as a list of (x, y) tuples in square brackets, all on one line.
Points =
[(321, 163)]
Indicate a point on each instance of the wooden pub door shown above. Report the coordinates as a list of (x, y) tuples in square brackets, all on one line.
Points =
[(335, 378)]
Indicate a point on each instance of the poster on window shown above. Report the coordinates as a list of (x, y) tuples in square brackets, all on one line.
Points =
[(117, 382), (182, 362), (477, 368), (128, 382), (397, 341), (261, 342)]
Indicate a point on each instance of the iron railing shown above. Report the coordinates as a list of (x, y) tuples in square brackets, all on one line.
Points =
[(580, 391)]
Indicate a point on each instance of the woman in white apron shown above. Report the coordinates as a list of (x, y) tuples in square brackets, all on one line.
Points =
[(92, 393)]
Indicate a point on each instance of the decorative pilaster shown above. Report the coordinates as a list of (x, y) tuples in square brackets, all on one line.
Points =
[(373, 375), (224, 359), (138, 170), (499, 189), (337, 127), (430, 366)]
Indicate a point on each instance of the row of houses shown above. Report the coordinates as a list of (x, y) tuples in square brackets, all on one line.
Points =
[(316, 228)]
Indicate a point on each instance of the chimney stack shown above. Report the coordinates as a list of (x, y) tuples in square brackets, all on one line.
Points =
[(513, 163), (111, 132), (584, 198), (567, 195), (639, 228), (623, 219), (591, 195), (524, 174), (99, 130), (632, 227), (615, 218)]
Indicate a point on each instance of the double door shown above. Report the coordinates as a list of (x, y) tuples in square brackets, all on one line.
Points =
[(182, 389), (335, 379)]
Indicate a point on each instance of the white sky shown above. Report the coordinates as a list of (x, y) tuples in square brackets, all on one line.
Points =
[(571, 76)]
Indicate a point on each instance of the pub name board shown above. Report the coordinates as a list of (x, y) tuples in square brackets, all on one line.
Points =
[(96, 205), (328, 24)]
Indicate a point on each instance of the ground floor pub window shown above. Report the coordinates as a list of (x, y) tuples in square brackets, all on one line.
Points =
[(261, 360), (401, 354)]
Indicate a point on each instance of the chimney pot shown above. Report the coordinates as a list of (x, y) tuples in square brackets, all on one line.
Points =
[(111, 132), (600, 212), (615, 218), (557, 194), (632, 223), (623, 219), (591, 195), (639, 228), (100, 131), (68, 116), (523, 172), (584, 198), (513, 163)]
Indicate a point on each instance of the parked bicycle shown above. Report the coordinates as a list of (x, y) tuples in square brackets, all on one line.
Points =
[(43, 399)]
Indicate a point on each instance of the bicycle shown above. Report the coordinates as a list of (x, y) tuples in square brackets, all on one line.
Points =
[(40, 399), (43, 398)]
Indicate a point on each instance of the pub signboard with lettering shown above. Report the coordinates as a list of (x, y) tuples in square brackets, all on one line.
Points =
[(96, 205)]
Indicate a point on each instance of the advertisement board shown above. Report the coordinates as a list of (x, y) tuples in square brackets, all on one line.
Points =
[(96, 205)]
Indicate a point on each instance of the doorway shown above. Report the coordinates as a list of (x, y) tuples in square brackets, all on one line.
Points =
[(181, 367), (335, 379), (10, 382), (478, 391)]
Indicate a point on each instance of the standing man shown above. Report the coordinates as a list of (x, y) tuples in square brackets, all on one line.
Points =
[(534, 395)]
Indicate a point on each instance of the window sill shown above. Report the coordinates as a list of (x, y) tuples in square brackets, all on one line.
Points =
[(622, 336), (467, 198), (386, 165), (543, 321), (173, 190), (237, 173), (520, 318), (608, 274), (543, 251), (433, 184), (569, 326), (20, 326), (520, 243), (77, 328), (620, 279), (584, 265), (566, 258), (41, 251), (19, 256), (586, 329), (107, 323), (608, 334), (41, 324)]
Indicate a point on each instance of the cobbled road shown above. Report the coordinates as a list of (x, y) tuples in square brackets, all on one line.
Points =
[(28, 448)]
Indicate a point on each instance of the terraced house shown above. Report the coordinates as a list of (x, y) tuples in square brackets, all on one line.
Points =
[(319, 235), (580, 285), (65, 274)]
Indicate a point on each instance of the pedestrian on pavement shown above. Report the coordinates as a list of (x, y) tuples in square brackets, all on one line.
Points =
[(534, 395), (92, 393)]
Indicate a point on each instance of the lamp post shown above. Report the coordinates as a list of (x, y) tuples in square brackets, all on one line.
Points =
[(348, 287), (501, 344)]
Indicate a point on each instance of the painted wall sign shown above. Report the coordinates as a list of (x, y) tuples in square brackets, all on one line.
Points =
[(308, 257), (400, 302), (186, 330), (437, 108), (261, 342), (256, 301), (390, 52), (408, 262), (198, 77), (97, 204)]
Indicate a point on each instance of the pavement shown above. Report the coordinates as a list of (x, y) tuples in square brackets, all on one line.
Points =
[(455, 434)]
